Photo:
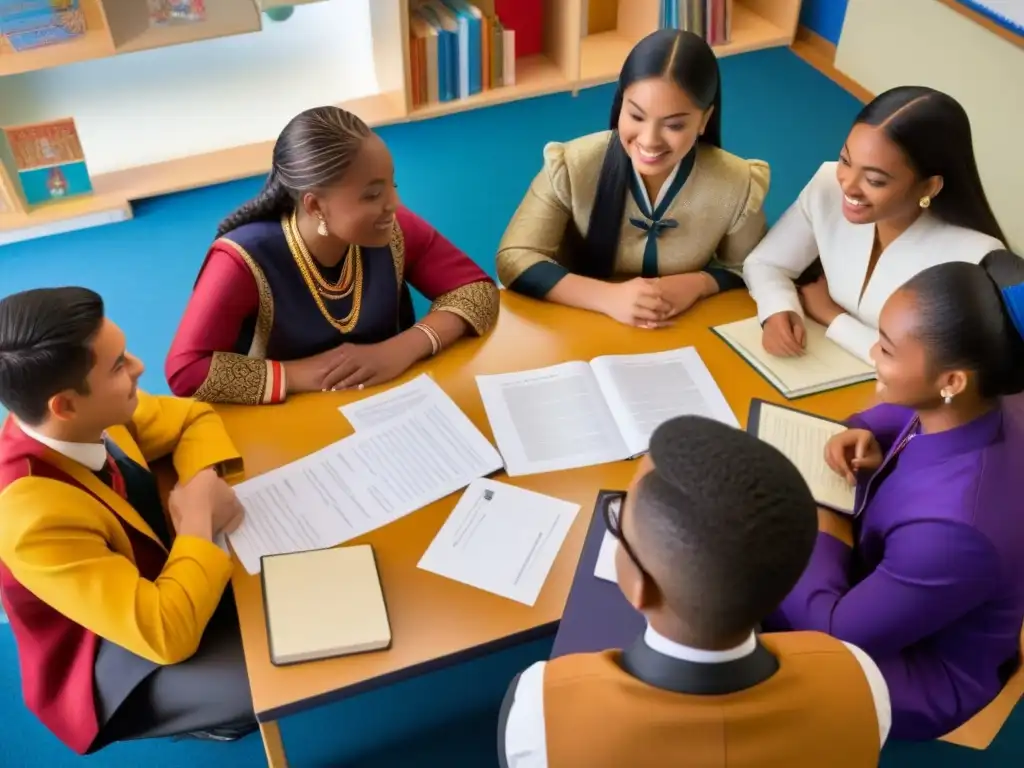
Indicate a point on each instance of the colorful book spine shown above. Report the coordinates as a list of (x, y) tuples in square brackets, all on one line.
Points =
[(711, 19), (49, 160), (526, 19), (28, 24)]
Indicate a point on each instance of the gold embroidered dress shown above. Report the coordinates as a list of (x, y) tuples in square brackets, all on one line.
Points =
[(709, 215), (261, 300)]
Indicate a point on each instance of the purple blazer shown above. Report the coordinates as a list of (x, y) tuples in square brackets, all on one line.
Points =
[(934, 588)]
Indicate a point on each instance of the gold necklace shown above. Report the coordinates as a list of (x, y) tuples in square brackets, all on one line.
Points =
[(336, 290), (301, 257)]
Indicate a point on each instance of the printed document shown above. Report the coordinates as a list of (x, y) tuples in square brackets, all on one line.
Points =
[(581, 414), (361, 483), (501, 539)]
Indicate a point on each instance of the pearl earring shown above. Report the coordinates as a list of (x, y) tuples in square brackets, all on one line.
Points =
[(321, 228), (925, 201), (947, 398)]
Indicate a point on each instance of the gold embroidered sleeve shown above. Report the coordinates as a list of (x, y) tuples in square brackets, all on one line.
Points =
[(235, 378), (476, 303)]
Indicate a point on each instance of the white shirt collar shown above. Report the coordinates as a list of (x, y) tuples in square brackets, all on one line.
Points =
[(91, 455), (667, 647), (661, 192)]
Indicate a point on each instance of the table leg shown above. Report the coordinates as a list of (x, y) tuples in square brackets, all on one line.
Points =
[(273, 745)]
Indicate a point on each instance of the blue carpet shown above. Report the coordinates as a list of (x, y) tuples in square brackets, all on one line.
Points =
[(465, 173)]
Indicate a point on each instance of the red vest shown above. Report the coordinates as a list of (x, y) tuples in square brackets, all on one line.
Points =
[(56, 655)]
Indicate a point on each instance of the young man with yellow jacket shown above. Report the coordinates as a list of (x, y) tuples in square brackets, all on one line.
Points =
[(123, 627)]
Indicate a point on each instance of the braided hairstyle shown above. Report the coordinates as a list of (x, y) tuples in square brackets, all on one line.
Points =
[(314, 150)]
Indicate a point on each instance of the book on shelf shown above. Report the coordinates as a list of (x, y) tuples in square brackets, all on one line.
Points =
[(324, 603), (28, 24), (824, 366), (165, 12), (801, 438), (49, 160), (456, 50), (526, 19), (711, 19), (581, 414)]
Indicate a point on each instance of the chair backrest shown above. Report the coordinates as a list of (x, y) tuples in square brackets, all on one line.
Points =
[(981, 730)]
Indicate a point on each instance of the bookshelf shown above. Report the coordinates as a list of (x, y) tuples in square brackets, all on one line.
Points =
[(156, 116)]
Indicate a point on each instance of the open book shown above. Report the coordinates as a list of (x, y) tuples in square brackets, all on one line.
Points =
[(801, 437), (307, 623), (581, 414), (823, 366)]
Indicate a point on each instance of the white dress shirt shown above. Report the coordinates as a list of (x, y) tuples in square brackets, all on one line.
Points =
[(525, 736), (814, 226), (91, 455)]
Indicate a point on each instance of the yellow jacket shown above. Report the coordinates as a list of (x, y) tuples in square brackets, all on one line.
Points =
[(69, 549)]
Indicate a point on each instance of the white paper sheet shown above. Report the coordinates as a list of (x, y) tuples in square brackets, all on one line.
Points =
[(361, 483), (501, 539), (605, 567), (392, 403), (551, 419), (644, 391)]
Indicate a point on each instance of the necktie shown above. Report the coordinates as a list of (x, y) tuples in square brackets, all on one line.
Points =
[(136, 485)]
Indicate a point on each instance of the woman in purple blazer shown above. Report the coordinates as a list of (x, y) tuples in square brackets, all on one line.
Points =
[(933, 587)]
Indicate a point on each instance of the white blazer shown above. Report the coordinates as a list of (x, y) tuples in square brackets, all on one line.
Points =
[(814, 226)]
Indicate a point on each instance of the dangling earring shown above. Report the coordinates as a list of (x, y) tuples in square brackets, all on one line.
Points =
[(321, 228), (947, 398), (925, 201)]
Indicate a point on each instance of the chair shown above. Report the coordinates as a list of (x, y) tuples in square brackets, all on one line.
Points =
[(981, 730)]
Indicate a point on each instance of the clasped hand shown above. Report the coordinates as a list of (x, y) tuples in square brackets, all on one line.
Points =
[(205, 506), (346, 367), (651, 302)]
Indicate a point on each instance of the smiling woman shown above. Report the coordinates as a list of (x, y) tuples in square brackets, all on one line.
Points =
[(628, 222), (904, 195), (307, 286)]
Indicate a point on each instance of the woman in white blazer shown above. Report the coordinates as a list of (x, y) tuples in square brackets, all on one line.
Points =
[(904, 195)]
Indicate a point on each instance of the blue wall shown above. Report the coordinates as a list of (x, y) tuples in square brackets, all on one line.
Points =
[(824, 17)]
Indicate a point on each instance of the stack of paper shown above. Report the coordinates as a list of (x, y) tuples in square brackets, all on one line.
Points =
[(390, 468)]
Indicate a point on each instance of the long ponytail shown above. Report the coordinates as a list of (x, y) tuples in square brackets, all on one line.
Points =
[(270, 204)]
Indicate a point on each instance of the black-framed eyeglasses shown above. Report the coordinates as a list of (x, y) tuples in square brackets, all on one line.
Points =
[(612, 511)]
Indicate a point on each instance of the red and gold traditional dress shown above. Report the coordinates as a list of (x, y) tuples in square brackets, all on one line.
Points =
[(261, 299)]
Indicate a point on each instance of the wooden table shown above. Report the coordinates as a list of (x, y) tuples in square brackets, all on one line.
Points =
[(437, 622)]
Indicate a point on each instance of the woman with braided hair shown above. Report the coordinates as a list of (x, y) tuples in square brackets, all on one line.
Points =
[(306, 287)]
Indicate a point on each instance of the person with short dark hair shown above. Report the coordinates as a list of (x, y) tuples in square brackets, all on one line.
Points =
[(903, 195), (715, 530), (933, 587), (122, 623)]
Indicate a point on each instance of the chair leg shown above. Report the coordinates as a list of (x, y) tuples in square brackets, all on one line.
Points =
[(273, 745)]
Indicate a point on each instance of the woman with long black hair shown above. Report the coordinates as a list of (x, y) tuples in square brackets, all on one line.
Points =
[(904, 195), (653, 199)]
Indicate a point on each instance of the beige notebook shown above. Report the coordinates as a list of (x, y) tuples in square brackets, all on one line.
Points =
[(801, 437), (823, 366), (324, 603)]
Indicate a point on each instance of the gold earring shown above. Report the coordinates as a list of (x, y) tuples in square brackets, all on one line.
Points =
[(321, 228), (925, 201)]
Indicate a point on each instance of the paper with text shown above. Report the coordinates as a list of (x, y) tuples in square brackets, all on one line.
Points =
[(361, 483), (802, 437), (823, 366), (551, 419), (605, 566), (378, 409), (644, 391), (501, 539)]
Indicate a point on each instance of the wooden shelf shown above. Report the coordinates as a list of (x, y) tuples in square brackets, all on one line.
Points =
[(535, 76), (602, 55), (131, 30), (135, 149)]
